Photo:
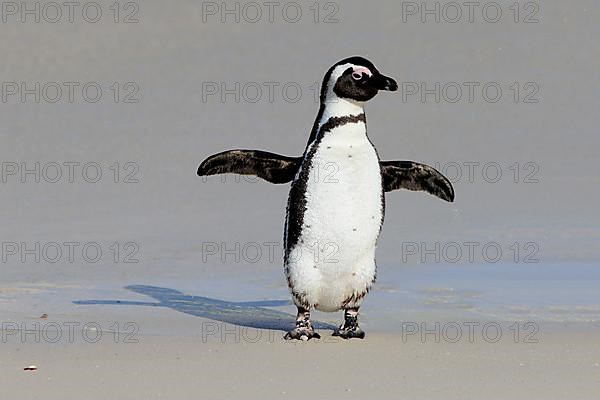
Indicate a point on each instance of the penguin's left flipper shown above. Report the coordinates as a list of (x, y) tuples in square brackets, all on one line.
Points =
[(411, 175), (271, 167)]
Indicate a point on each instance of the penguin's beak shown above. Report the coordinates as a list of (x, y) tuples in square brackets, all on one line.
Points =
[(382, 82)]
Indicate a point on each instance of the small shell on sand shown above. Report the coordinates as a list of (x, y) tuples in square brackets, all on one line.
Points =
[(30, 368)]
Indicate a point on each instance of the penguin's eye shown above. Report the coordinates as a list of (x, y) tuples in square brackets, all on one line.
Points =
[(357, 76)]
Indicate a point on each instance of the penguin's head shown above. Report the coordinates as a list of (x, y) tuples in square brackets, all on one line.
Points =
[(356, 79)]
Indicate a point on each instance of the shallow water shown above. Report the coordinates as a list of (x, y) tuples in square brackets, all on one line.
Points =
[(491, 293)]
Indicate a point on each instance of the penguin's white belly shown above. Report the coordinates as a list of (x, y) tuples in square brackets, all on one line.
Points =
[(333, 263)]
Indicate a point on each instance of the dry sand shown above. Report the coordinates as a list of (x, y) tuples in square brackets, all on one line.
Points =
[(560, 366)]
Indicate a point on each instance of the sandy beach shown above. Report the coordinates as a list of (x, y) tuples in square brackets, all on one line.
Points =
[(155, 342), (558, 367)]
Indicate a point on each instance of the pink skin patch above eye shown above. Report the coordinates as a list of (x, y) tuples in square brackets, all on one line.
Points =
[(359, 71)]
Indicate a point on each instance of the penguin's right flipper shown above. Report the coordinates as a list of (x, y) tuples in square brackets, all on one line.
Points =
[(415, 176), (271, 167)]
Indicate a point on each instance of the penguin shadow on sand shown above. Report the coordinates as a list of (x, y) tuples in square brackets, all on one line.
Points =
[(252, 314)]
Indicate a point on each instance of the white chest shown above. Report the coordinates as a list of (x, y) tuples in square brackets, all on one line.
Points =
[(344, 193), (333, 260)]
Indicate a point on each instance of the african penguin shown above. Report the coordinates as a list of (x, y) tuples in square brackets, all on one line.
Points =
[(336, 202)]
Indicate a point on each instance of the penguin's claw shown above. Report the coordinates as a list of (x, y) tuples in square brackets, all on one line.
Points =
[(302, 333), (349, 333)]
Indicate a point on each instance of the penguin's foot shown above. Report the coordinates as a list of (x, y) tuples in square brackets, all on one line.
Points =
[(350, 332), (302, 333), (350, 329), (303, 330)]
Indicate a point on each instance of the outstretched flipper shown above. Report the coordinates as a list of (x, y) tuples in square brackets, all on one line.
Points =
[(414, 176), (271, 167)]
